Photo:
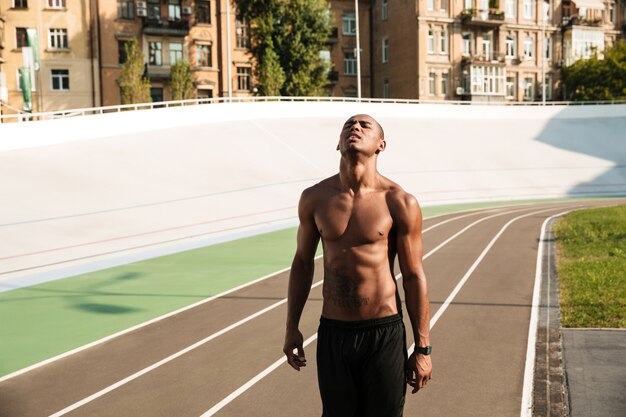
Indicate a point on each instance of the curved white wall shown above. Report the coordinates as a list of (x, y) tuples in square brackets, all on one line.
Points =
[(78, 187)]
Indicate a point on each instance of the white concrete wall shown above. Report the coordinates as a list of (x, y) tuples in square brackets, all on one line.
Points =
[(186, 176)]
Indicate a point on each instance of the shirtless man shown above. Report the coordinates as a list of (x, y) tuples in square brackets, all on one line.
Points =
[(364, 220)]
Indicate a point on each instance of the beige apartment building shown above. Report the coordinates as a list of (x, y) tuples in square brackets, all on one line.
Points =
[(172, 30), (66, 77), (483, 50)]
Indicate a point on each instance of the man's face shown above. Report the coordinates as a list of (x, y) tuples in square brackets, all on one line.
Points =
[(361, 133)]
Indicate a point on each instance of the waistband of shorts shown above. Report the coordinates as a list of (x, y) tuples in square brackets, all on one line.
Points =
[(362, 324)]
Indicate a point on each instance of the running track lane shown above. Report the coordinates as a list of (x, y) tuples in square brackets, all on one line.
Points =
[(478, 337)]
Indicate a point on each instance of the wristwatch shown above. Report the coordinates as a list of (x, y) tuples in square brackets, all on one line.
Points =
[(426, 350)]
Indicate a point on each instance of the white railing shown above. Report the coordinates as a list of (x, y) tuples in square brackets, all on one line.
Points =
[(21, 116)]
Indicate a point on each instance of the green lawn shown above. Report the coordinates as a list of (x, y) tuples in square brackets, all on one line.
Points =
[(592, 267)]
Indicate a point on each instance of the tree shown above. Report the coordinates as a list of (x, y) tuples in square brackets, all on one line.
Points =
[(135, 88), (181, 81), (287, 37), (597, 78)]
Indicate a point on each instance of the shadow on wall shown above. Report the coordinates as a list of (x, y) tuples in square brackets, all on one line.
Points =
[(602, 137)]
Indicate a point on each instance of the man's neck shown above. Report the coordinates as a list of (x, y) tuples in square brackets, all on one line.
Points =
[(357, 175)]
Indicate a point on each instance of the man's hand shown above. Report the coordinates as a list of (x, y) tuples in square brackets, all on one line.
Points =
[(419, 371), (293, 341)]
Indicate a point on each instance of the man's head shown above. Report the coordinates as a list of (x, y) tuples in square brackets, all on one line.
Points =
[(361, 133)]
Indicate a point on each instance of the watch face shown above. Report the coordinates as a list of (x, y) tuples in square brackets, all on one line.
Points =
[(426, 350)]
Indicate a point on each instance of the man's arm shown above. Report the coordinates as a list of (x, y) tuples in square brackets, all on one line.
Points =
[(410, 251), (300, 279)]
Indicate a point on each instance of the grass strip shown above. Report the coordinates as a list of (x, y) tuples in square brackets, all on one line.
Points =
[(591, 247)]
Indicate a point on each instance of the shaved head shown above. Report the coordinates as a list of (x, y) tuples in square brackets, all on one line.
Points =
[(380, 128)]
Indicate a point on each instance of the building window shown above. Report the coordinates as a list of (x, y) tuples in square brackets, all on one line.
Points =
[(56, 4), (60, 80), (529, 88), (244, 78), (546, 10), (204, 56), (467, 4), (125, 9), (242, 30), (121, 52), (20, 4), (431, 83), (529, 9), (386, 88), (444, 84), (385, 50), (611, 13), (510, 45), (348, 23), (156, 93), (443, 41), (57, 38), (173, 10), (384, 10), (548, 87), (547, 48), (155, 56), (487, 47), (487, 80), (510, 8), (203, 12), (443, 5), (529, 46), (430, 5), (154, 10), (431, 40), (510, 86), (467, 44), (176, 53), (349, 63), (21, 38)]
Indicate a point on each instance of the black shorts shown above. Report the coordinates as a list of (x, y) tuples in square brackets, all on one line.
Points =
[(361, 367)]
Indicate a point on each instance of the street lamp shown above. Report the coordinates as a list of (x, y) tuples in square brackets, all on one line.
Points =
[(358, 51)]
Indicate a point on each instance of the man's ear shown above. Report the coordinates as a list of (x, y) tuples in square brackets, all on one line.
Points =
[(338, 144), (382, 145)]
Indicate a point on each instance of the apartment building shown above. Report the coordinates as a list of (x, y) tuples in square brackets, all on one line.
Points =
[(484, 50), (172, 30), (58, 34), (4, 93)]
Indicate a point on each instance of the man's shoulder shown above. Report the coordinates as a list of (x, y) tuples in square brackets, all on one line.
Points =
[(401, 202), (320, 189)]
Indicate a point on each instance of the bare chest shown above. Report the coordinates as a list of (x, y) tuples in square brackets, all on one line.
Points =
[(354, 220)]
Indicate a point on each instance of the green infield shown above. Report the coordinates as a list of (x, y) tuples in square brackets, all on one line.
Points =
[(591, 264), (48, 319)]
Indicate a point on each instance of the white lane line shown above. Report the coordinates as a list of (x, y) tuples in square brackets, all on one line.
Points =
[(213, 336), (183, 309), (529, 369), (217, 407), (471, 270)]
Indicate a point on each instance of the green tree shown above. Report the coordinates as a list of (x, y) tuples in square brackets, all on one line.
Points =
[(135, 88), (181, 81), (287, 37), (596, 78)]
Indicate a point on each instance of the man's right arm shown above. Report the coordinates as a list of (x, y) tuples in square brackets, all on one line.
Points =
[(300, 279)]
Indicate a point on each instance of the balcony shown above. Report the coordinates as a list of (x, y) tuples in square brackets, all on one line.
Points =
[(581, 21), (493, 58), (483, 18), (334, 36), (166, 27), (159, 73)]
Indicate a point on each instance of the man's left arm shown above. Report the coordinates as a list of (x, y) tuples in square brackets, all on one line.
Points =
[(408, 218)]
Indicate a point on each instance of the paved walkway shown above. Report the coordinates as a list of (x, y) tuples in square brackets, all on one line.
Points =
[(595, 364)]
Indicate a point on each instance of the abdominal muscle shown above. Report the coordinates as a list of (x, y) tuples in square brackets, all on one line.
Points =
[(356, 288)]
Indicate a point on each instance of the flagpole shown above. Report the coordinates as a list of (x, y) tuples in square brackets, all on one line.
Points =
[(228, 63), (358, 51)]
